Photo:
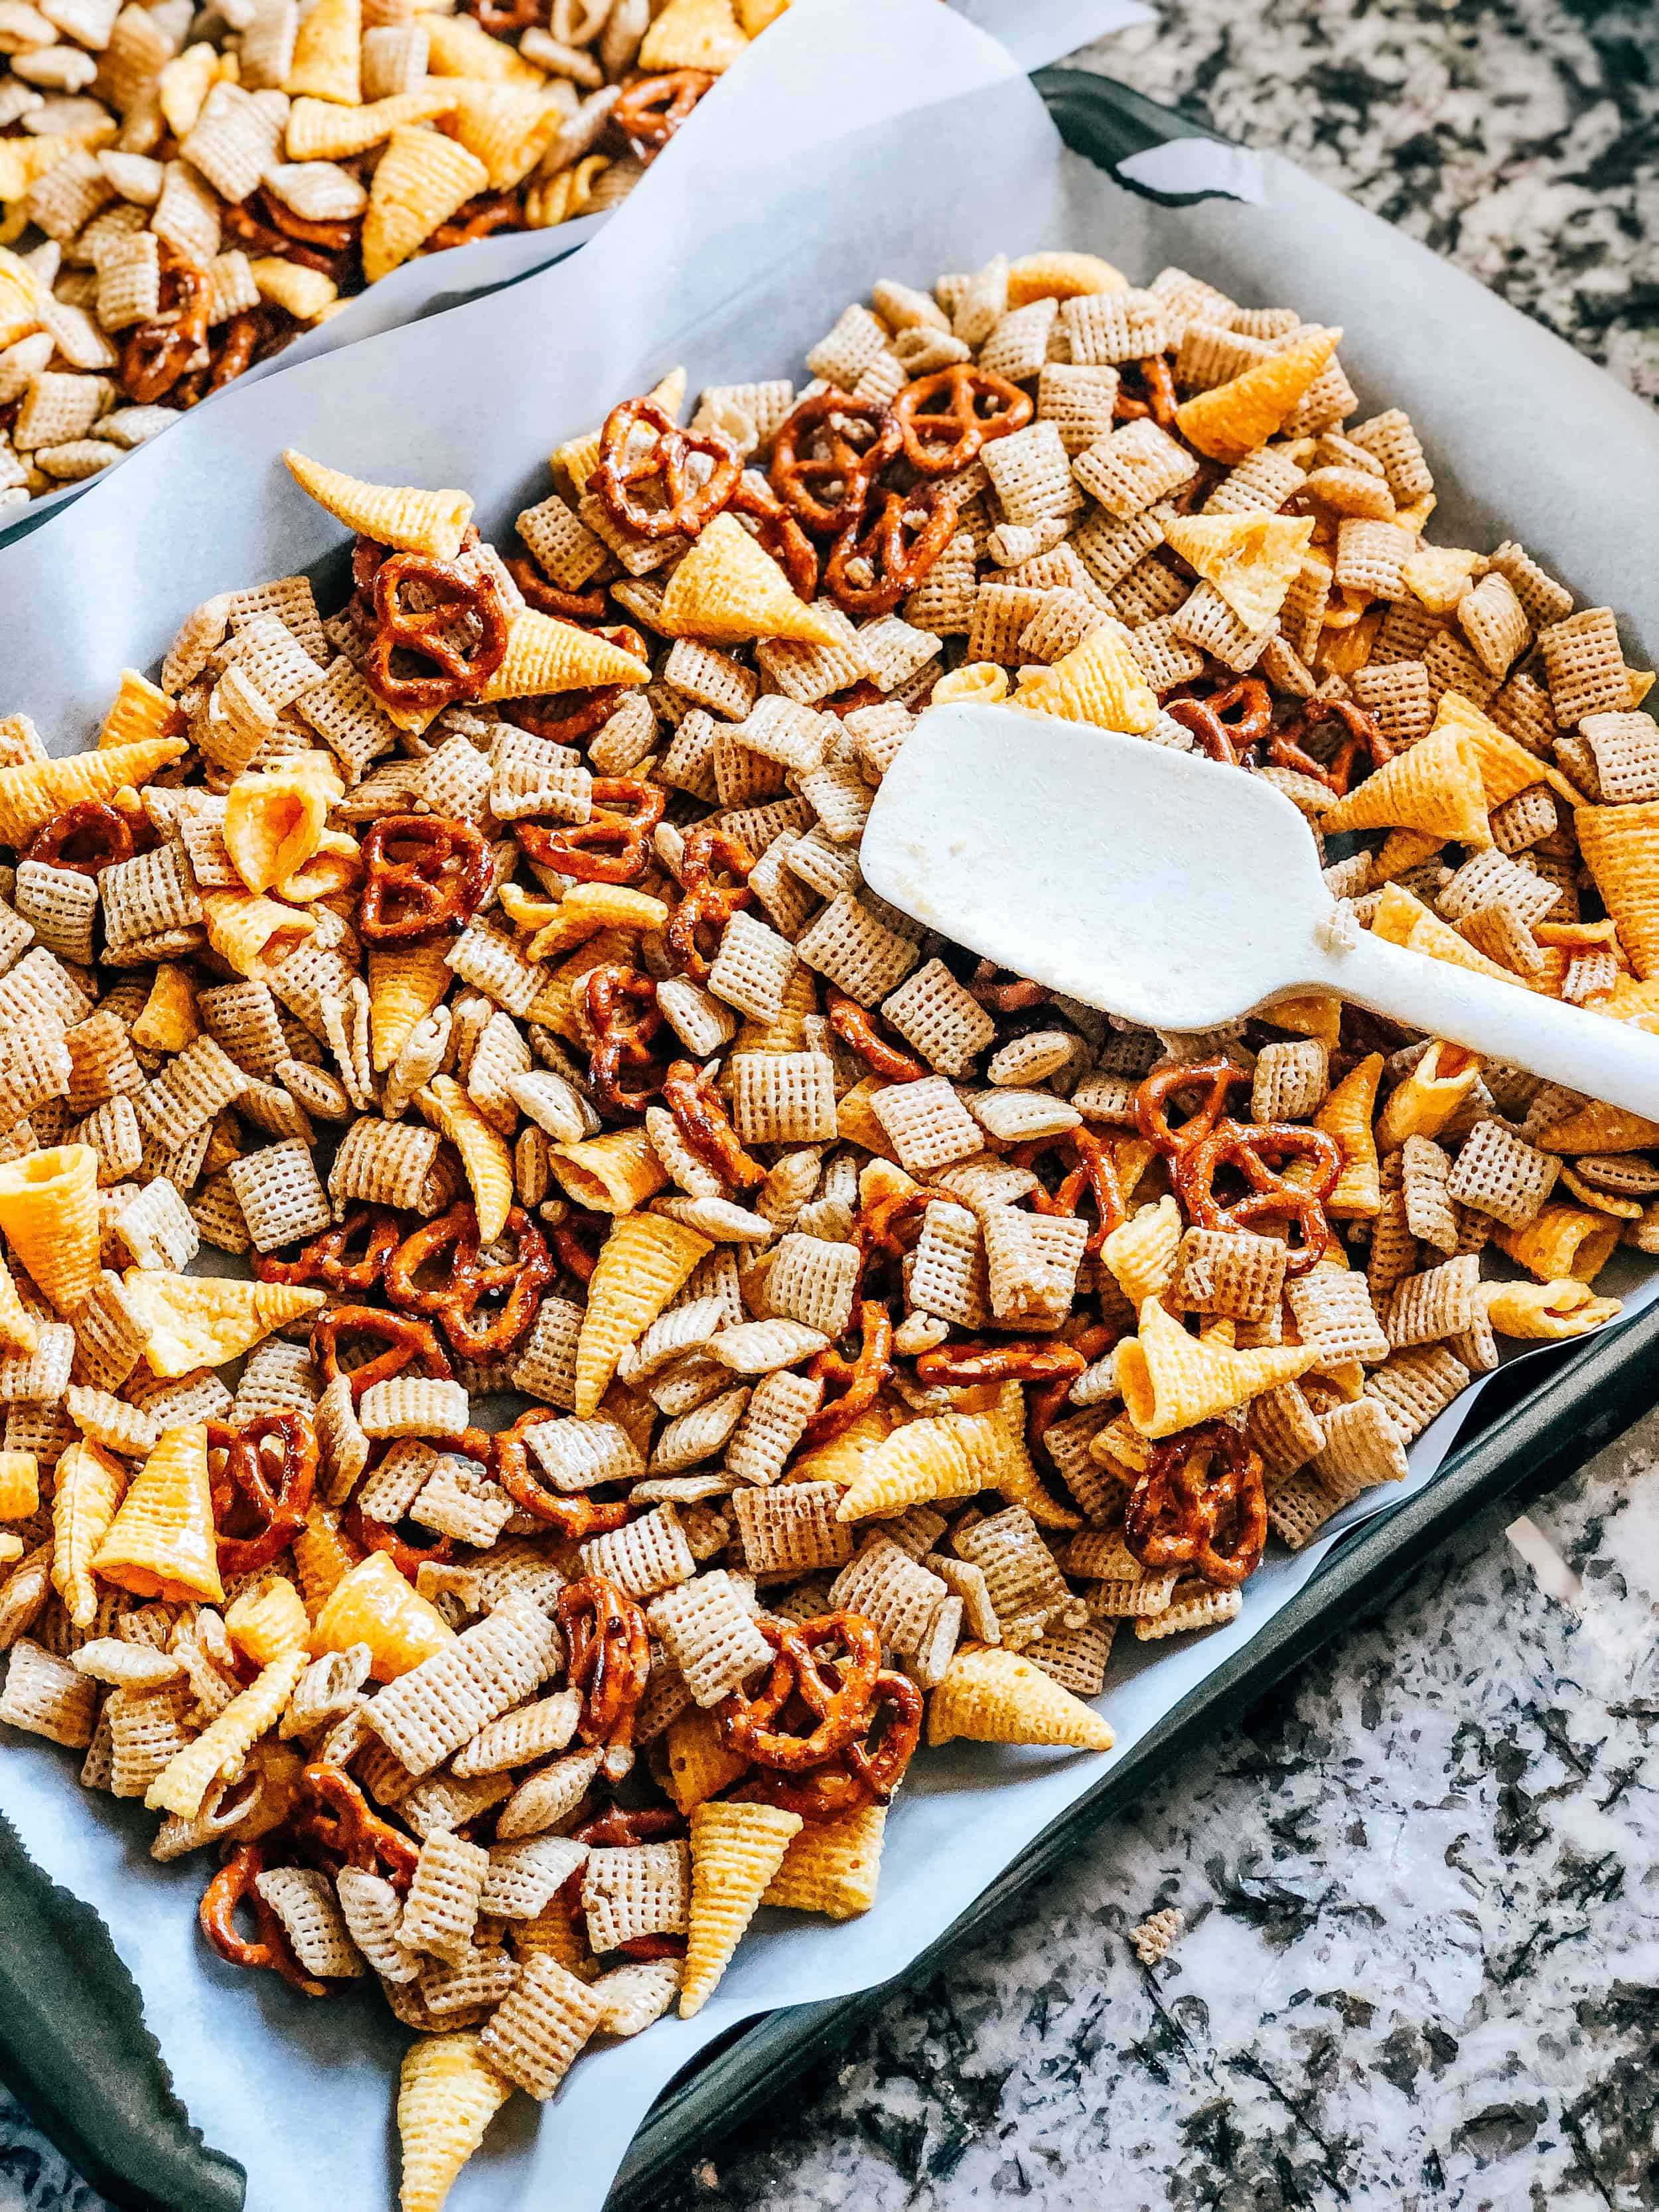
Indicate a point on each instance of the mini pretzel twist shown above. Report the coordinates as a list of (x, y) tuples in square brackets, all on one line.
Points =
[(1157, 394), (704, 904), (89, 835), (651, 110), (780, 534), (688, 502), (466, 1282), (622, 1038), (576, 1241), (1021, 1360), (342, 1822), (860, 1774), (271, 1951), (860, 1381), (1248, 1147), (1093, 1170), (422, 872), (573, 1519), (576, 607), (946, 420), (827, 455), (234, 345), (1153, 1095), (704, 1127), (1018, 996), (462, 631), (607, 1657), (879, 560), (1230, 721), (1199, 1504), (369, 1534), (408, 1340), (267, 1514), (838, 1695), (1365, 737), (613, 846), (855, 1026), (156, 354), (481, 217), (331, 1258)]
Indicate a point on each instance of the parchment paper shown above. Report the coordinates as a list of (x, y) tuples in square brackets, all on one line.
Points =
[(830, 181), (1035, 31)]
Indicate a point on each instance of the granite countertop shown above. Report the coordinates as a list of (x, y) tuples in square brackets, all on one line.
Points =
[(1420, 1964)]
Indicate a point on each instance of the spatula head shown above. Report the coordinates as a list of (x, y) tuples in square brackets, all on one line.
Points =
[(1167, 888)]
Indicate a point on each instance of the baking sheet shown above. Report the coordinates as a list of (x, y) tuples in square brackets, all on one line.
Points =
[(1033, 31), (737, 285)]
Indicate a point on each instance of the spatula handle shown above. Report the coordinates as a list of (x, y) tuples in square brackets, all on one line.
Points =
[(1606, 1060)]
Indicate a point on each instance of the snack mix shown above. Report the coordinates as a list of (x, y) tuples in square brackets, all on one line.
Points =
[(485, 964), (184, 191)]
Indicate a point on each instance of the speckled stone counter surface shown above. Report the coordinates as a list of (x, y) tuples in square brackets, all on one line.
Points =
[(1422, 1884)]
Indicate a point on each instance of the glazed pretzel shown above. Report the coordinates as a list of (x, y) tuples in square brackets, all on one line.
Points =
[(779, 534), (407, 1339), (1364, 737), (1016, 997), (703, 903), (257, 1518), (622, 1038), (234, 347), (270, 1950), (331, 1257), (1045, 1401), (478, 218), (238, 220), (576, 1241), (1199, 1504), (1153, 1095), (651, 110), (619, 1826), (89, 835), (704, 1127), (1155, 396), (613, 846), (688, 502), (837, 1694), (1230, 721), (1020, 1360), (855, 1026), (333, 236), (946, 420), (342, 1822), (422, 872), (608, 1657), (847, 443), (577, 607), (467, 1281), (369, 1534), (1093, 1170), (572, 1519), (859, 1380), (156, 354), (881, 560), (1248, 1147), (439, 633), (566, 717), (860, 1774)]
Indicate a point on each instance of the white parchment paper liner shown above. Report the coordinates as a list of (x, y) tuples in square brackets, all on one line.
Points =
[(831, 177), (1035, 31)]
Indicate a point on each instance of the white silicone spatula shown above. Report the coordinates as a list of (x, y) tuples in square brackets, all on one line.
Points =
[(1178, 893)]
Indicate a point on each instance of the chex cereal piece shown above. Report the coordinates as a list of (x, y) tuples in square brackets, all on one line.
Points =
[(532, 2038), (438, 1705)]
